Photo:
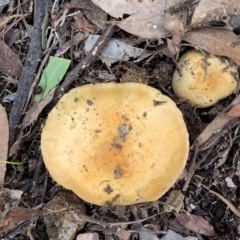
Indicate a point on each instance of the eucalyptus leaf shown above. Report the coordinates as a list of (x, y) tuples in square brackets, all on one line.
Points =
[(51, 76)]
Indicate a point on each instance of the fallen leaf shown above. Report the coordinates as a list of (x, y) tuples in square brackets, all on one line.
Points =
[(147, 235), (220, 42), (234, 111), (145, 17), (209, 135), (116, 50), (16, 216), (12, 197), (123, 234), (87, 236), (9, 61), (4, 130), (171, 235), (35, 109), (51, 76), (176, 23), (174, 224), (209, 11), (195, 224), (10, 36), (94, 14)]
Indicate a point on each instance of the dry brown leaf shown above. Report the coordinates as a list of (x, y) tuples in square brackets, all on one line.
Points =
[(175, 21), (220, 42), (123, 234), (4, 130), (216, 126), (9, 61), (215, 10), (30, 118), (234, 111), (92, 12), (16, 216), (229, 204), (145, 20), (35, 109), (195, 224)]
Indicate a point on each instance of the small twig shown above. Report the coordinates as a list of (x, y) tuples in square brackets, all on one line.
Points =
[(192, 168), (82, 217), (30, 67), (85, 63), (228, 203)]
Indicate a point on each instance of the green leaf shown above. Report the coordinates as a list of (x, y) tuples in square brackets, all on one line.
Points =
[(51, 76)]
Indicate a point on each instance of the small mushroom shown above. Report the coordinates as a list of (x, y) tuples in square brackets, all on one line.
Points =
[(120, 143), (204, 79)]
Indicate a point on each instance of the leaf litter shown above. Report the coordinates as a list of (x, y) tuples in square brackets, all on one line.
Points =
[(174, 22)]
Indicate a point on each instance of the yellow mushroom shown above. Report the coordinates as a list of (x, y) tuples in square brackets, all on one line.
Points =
[(204, 79), (120, 143)]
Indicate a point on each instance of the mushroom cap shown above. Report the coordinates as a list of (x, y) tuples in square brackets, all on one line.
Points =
[(204, 79), (122, 143)]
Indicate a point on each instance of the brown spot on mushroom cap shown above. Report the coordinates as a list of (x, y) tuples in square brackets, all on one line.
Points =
[(204, 80), (85, 161)]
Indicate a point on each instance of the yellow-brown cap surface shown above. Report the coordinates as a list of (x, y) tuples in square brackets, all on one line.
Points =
[(121, 143), (204, 80)]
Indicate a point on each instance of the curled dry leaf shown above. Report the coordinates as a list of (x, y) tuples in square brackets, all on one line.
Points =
[(145, 20), (210, 11), (220, 42), (195, 224), (9, 61), (4, 130)]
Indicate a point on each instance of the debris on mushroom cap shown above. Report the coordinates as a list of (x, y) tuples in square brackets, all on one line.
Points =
[(204, 79), (122, 143)]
